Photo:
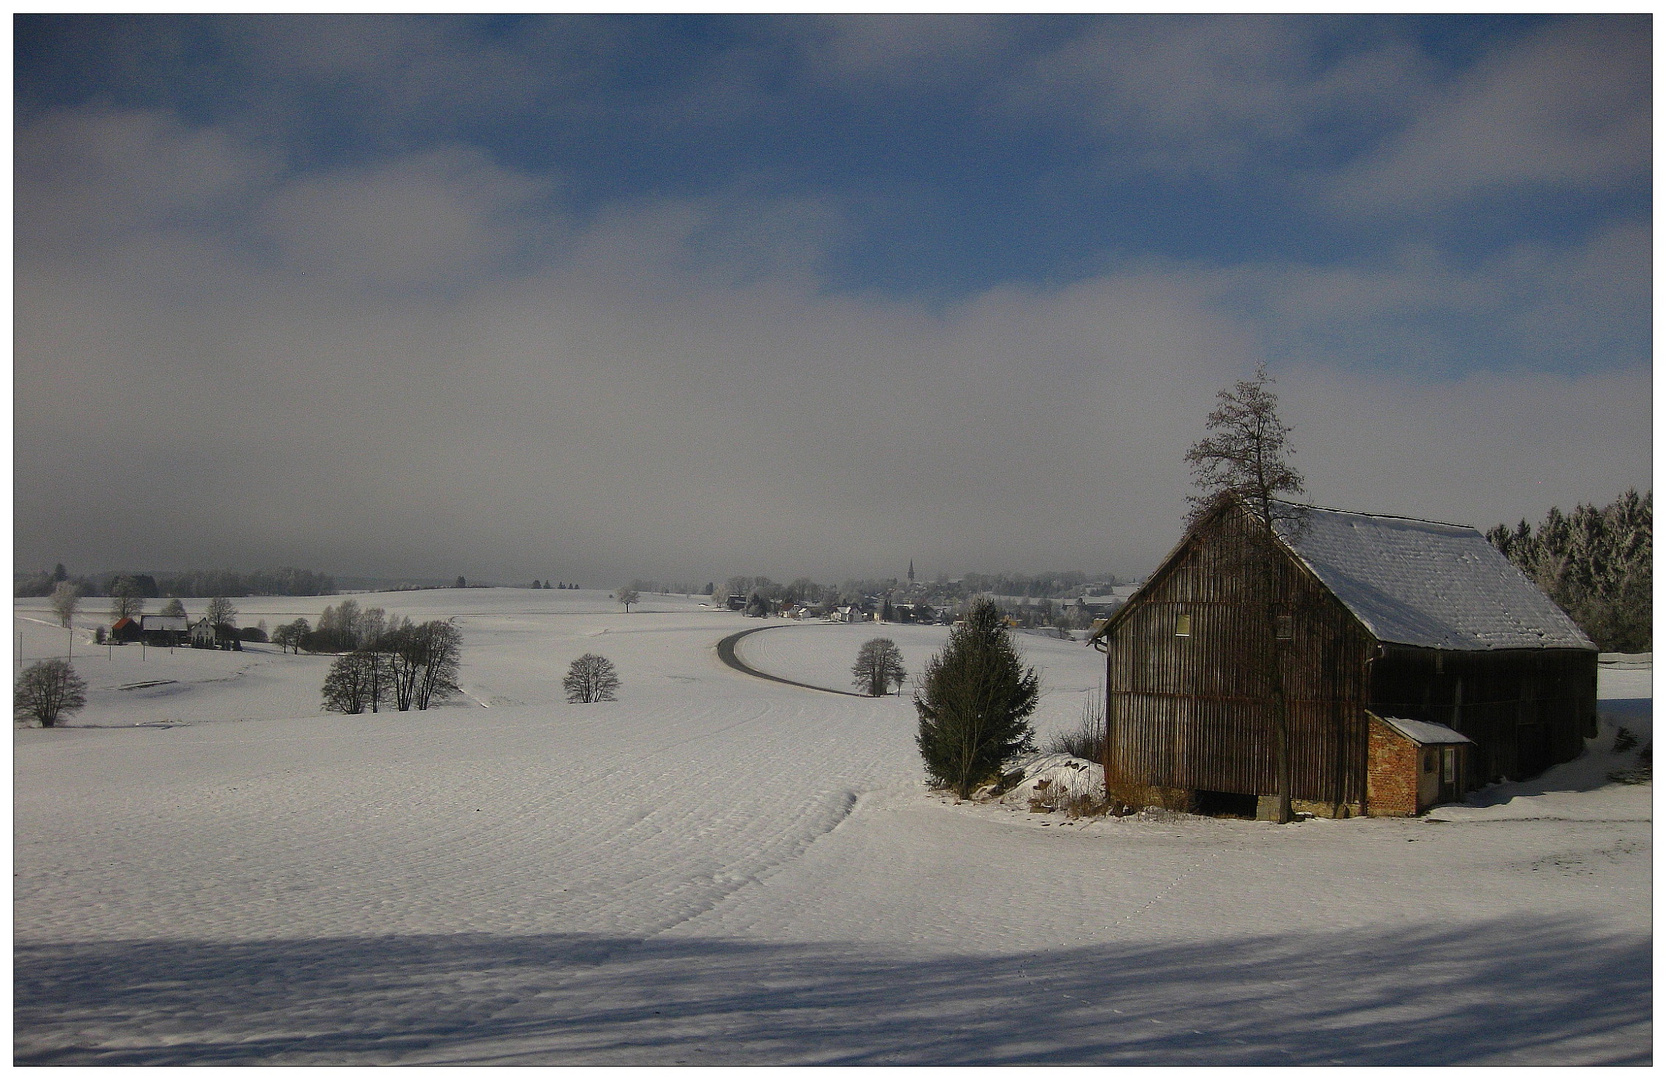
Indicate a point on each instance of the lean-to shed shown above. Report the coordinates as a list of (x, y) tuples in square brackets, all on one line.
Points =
[(1417, 620)]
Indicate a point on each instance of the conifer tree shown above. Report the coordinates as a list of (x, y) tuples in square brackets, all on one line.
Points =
[(974, 703)]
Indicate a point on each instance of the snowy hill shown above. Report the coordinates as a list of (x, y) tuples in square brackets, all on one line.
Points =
[(721, 870)]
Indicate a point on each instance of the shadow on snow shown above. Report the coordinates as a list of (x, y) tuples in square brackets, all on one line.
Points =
[(1549, 990)]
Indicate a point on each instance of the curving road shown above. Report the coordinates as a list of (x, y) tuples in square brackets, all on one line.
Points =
[(726, 652)]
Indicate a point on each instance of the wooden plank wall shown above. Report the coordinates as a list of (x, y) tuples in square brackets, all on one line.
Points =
[(1527, 709), (1192, 712)]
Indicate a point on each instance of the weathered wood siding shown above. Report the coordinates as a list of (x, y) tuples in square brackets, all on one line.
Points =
[(1526, 709), (1194, 713)]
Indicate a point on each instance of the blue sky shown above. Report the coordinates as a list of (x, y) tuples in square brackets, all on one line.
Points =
[(1064, 232)]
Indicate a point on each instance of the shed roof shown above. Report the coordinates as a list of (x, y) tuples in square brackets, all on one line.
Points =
[(1428, 584), (163, 622), (1424, 733)]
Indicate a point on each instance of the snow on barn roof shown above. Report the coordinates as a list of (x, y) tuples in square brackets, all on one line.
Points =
[(1424, 733), (1428, 584)]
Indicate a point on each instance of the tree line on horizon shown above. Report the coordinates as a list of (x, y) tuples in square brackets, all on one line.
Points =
[(280, 581), (1596, 563)]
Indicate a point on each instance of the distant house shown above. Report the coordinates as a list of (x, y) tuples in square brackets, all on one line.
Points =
[(1098, 607), (207, 635), (1395, 626), (166, 630), (126, 630)]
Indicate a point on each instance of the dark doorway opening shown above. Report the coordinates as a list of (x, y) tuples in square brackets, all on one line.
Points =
[(1225, 804)]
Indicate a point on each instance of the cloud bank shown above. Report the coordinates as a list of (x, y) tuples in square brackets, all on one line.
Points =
[(429, 359)]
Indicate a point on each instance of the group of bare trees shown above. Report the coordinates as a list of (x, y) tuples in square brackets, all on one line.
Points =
[(403, 664), (341, 628)]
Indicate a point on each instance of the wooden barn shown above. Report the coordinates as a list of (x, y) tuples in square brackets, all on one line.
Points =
[(166, 630), (1383, 619)]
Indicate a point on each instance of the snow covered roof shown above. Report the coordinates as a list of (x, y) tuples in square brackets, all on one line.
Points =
[(1428, 584), (1424, 733)]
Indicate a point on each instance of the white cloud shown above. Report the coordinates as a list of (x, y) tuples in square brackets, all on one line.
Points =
[(1568, 106), (85, 176), (439, 218), (1583, 303), (1204, 94)]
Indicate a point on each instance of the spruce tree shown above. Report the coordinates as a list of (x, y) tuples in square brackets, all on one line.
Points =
[(975, 701)]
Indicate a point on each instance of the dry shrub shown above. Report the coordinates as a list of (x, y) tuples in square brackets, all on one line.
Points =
[(1124, 796), (1049, 799), (1087, 741)]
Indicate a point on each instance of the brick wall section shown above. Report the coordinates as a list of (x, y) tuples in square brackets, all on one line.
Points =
[(1391, 773)]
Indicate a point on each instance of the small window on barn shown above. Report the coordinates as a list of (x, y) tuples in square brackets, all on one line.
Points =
[(1284, 627), (1183, 624), (1429, 758)]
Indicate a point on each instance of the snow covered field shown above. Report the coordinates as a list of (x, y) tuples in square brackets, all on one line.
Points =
[(719, 869)]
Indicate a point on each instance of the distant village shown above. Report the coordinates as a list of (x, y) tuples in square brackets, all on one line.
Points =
[(1066, 601)]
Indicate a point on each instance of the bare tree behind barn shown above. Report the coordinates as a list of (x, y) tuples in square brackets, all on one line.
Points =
[(1245, 458)]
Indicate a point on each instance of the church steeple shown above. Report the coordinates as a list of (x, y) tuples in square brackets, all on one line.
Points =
[(911, 571)]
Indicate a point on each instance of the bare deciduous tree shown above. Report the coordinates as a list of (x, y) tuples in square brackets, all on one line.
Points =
[(591, 678), (48, 690), (1245, 456), (441, 646), (628, 596), (878, 666), (66, 598), (221, 612), (175, 606), (289, 635), (126, 599), (352, 685)]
